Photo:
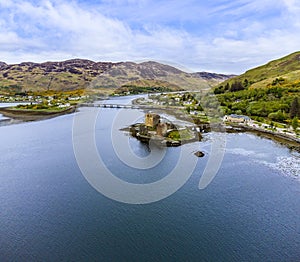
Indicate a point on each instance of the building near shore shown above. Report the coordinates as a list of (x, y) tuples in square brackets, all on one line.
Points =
[(233, 118)]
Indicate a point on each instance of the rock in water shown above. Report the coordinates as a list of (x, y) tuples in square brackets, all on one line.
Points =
[(199, 154)]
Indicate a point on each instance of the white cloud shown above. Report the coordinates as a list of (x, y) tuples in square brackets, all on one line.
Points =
[(231, 39), (292, 5)]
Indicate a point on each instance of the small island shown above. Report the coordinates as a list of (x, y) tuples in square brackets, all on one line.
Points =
[(162, 132), (35, 114), (40, 105)]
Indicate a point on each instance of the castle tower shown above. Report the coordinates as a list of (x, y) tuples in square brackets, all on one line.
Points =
[(161, 129), (151, 120)]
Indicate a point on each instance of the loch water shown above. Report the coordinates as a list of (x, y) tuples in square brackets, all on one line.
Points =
[(50, 212)]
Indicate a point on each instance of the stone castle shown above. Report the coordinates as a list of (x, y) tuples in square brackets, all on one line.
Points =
[(153, 121)]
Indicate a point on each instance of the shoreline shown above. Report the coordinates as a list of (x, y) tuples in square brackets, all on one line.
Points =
[(289, 141), (33, 115), (17, 115), (132, 130)]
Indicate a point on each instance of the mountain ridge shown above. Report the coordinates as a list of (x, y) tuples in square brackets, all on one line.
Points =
[(83, 73), (286, 68)]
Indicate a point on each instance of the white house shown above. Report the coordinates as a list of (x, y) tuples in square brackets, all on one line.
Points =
[(233, 118)]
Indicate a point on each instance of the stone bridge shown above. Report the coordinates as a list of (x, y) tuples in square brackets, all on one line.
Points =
[(130, 106)]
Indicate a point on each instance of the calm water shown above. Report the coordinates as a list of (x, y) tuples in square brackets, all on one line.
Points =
[(8, 105), (49, 212)]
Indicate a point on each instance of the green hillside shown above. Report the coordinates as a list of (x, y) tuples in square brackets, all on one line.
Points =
[(269, 92), (275, 68), (283, 71)]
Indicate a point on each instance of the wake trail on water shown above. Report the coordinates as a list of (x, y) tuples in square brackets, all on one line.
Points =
[(288, 166)]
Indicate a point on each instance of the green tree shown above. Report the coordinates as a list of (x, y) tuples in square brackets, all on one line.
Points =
[(295, 108), (295, 123), (236, 86), (277, 116), (246, 83), (227, 87)]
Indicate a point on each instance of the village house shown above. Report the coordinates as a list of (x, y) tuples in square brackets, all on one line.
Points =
[(193, 112), (187, 103), (233, 118)]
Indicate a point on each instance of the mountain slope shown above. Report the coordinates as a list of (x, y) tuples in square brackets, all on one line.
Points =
[(2, 64), (267, 93), (283, 71), (212, 76), (275, 68), (66, 75), (80, 73)]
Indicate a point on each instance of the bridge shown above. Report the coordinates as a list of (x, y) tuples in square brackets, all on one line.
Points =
[(202, 127), (130, 106)]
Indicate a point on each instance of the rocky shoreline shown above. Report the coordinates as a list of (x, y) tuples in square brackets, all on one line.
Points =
[(291, 142), (33, 115), (287, 140), (16, 115), (135, 131)]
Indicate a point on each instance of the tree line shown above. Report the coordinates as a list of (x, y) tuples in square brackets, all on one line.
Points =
[(275, 102)]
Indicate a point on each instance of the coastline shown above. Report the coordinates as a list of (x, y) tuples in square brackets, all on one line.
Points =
[(34, 115), (287, 140), (160, 140), (17, 115), (291, 142)]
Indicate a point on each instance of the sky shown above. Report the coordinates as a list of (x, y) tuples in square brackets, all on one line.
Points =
[(217, 36)]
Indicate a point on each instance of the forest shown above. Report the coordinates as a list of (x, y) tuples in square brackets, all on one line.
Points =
[(275, 102)]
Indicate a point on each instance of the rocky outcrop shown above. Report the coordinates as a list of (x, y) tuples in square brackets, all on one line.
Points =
[(199, 154)]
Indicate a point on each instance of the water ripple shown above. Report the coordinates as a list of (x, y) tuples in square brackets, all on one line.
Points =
[(288, 166)]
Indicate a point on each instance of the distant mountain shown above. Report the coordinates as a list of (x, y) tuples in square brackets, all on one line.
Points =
[(66, 75), (2, 64), (129, 73), (213, 76), (284, 71), (81, 73)]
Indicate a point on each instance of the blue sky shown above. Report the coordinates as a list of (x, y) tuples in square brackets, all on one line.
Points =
[(219, 36)]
